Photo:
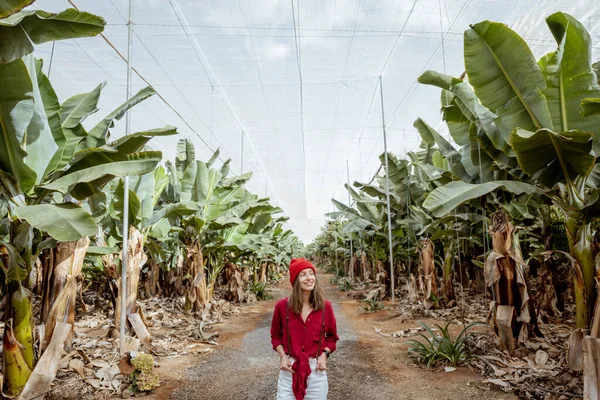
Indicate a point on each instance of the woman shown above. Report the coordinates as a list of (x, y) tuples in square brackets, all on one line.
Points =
[(304, 333)]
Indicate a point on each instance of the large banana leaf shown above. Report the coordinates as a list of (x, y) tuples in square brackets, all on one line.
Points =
[(64, 222), (446, 198), (132, 164), (461, 110), (18, 31), (555, 156), (174, 209), (449, 152), (77, 108), (117, 150), (117, 205), (65, 139), (186, 156), (397, 173), (39, 139), (569, 76), (98, 134), (506, 77), (260, 222), (16, 111), (9, 7)]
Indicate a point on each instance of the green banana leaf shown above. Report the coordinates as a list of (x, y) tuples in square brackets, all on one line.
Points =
[(132, 164), (569, 76), (447, 150), (64, 222), (554, 155), (505, 76), (77, 108), (446, 198), (117, 205), (19, 31), (9, 7), (98, 134), (17, 109), (39, 139)]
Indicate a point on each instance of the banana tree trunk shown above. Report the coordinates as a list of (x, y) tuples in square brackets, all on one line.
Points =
[(263, 272), (61, 277), (196, 297), (235, 283), (580, 245), (366, 269), (21, 313), (447, 273), (15, 370), (514, 317), (429, 276), (135, 261), (216, 267), (111, 271), (151, 285)]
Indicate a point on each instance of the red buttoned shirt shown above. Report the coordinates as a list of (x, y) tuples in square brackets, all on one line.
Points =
[(305, 339)]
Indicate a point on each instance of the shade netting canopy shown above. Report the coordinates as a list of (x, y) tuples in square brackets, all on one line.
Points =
[(288, 89)]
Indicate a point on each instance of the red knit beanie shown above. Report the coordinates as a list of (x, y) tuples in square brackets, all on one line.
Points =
[(297, 265)]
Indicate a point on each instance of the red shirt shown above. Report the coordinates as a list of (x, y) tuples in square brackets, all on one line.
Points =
[(304, 337)]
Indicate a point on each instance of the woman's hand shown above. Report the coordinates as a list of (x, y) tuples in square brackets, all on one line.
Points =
[(322, 362), (286, 364)]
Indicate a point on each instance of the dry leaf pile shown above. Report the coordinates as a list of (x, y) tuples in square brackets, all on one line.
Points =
[(539, 368), (91, 370)]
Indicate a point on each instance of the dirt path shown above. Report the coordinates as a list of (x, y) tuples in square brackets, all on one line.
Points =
[(365, 366)]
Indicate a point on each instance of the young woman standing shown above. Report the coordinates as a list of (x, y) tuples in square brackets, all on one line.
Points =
[(304, 334)]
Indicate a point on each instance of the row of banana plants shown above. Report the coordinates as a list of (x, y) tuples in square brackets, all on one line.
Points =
[(515, 184), (61, 189)]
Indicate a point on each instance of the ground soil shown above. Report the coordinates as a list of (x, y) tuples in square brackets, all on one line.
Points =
[(366, 365)]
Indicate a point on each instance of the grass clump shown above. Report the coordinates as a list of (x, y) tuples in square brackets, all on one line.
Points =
[(372, 305), (260, 290), (345, 284), (441, 349)]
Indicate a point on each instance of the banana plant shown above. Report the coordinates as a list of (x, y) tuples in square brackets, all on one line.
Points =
[(538, 111), (40, 176)]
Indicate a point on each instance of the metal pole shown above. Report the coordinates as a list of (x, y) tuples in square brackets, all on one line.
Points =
[(242, 154), (387, 189), (351, 249), (335, 248), (126, 193)]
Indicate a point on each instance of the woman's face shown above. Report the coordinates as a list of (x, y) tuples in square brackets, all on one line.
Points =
[(307, 279)]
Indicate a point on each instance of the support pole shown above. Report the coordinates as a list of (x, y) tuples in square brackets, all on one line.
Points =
[(387, 190), (351, 249), (126, 193), (242, 155), (335, 247)]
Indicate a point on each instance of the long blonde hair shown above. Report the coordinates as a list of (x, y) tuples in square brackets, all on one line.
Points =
[(316, 299)]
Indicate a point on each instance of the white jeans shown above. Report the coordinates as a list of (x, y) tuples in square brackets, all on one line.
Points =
[(317, 384)]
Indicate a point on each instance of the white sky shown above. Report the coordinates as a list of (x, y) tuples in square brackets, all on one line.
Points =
[(228, 66)]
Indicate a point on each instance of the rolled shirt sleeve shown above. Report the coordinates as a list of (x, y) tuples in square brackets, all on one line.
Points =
[(277, 327)]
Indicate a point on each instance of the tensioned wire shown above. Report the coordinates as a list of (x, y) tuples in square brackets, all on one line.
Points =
[(414, 84), (299, 62), (382, 72), (433, 55), (225, 101)]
